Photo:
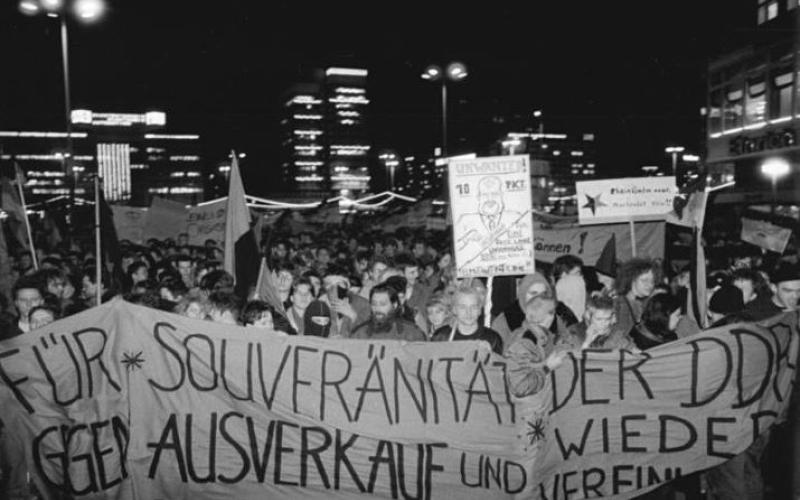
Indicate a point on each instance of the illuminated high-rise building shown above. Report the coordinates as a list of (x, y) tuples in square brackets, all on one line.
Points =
[(134, 156), (325, 144)]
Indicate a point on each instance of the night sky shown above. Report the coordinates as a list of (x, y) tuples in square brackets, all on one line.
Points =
[(633, 72)]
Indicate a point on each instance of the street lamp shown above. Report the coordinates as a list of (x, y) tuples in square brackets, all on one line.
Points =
[(86, 11), (674, 151), (775, 168), (454, 71)]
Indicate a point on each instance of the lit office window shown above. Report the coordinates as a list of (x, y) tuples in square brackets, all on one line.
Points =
[(756, 106), (733, 110), (781, 98), (772, 10), (715, 112)]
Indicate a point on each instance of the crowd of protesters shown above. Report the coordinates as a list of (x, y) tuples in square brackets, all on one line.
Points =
[(347, 285)]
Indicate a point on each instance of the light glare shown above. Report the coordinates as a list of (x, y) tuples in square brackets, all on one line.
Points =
[(89, 10)]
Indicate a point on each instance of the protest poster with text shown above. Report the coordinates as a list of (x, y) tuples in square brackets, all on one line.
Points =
[(490, 199), (126, 402), (587, 242), (206, 221), (624, 200)]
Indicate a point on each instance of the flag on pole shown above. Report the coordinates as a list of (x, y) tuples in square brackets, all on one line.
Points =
[(607, 262), (241, 253), (266, 288), (109, 239), (12, 205)]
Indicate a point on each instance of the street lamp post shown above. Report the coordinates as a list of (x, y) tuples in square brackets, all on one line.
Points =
[(455, 71), (675, 151), (775, 168), (85, 11)]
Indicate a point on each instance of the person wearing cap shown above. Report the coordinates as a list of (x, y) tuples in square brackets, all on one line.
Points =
[(785, 287), (726, 306)]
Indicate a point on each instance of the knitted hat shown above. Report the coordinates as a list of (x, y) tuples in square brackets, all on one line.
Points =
[(728, 299), (317, 319)]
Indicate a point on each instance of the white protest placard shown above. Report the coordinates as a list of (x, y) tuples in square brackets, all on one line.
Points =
[(206, 221), (492, 223), (765, 235), (624, 200)]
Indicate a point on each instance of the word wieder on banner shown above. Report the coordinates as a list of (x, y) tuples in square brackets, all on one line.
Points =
[(622, 422), (127, 402)]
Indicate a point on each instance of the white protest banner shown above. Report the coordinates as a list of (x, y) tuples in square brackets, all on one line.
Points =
[(206, 221), (765, 234), (490, 199), (623, 200), (129, 222), (587, 242), (165, 219), (126, 402)]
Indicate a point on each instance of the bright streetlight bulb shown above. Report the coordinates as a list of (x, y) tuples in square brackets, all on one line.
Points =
[(29, 7), (456, 71), (775, 168), (89, 10), (432, 72)]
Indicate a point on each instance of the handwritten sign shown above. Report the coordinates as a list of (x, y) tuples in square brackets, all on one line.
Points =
[(490, 199), (123, 401), (765, 234), (622, 200), (206, 221)]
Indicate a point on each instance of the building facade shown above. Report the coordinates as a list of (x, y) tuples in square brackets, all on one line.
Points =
[(135, 158), (753, 106), (557, 160), (326, 148)]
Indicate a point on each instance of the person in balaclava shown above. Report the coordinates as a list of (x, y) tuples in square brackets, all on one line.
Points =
[(317, 319)]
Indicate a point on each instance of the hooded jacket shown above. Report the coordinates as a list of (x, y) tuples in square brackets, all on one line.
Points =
[(513, 316)]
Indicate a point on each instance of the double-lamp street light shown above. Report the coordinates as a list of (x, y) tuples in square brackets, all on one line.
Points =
[(455, 72), (85, 11)]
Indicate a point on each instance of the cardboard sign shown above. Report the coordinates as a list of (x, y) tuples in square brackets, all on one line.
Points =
[(122, 401), (490, 199), (206, 221), (130, 222), (765, 234), (623, 200)]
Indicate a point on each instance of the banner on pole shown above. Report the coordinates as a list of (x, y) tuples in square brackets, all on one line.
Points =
[(125, 402), (490, 199), (587, 242), (622, 200)]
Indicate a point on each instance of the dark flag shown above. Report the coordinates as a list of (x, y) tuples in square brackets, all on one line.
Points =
[(607, 263), (241, 252), (109, 240)]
